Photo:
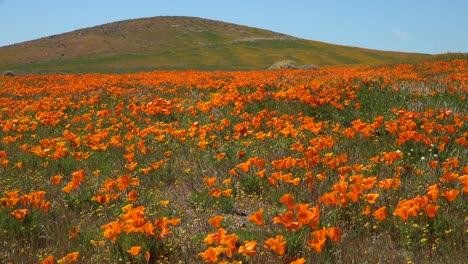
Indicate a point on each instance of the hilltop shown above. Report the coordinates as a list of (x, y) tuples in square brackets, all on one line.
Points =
[(179, 43)]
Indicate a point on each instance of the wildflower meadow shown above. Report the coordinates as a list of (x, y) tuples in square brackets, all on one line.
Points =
[(337, 165)]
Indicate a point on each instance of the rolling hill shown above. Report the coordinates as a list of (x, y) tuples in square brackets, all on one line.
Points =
[(162, 43)]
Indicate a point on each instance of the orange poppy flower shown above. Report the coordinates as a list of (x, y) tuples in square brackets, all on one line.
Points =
[(257, 217), (431, 210), (227, 181), (451, 194), (67, 188), (249, 248), (48, 260), (135, 250), (145, 171), (174, 221), (220, 156), (295, 181), (164, 202), (216, 221), (463, 180), (298, 261), (215, 192), (334, 233), (277, 244), (69, 258), (19, 214), (215, 237), (402, 212), (380, 214), (134, 181), (241, 154), (129, 157), (78, 175), (329, 198), (318, 242), (210, 181), (261, 173), (433, 192), (352, 196), (285, 218), (230, 241), (132, 195), (367, 211), (56, 179), (210, 255), (147, 256), (123, 182), (288, 200), (433, 164), (233, 172), (371, 197), (131, 166), (245, 166)]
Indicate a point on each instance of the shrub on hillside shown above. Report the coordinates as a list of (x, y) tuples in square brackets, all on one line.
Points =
[(288, 64), (282, 65), (8, 73)]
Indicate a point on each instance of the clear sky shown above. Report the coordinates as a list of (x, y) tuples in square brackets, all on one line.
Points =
[(425, 26)]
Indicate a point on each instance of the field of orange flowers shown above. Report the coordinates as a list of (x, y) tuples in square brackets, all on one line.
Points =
[(329, 166)]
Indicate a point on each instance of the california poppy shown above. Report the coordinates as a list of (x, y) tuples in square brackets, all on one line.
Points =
[(210, 254), (277, 244), (245, 166), (380, 214), (450, 195), (210, 181), (56, 179), (433, 192), (334, 233), (135, 250), (48, 260), (257, 217), (220, 156), (318, 242), (249, 248), (402, 212), (298, 261), (370, 197), (132, 195), (216, 221), (19, 214), (431, 210), (288, 200), (69, 258)]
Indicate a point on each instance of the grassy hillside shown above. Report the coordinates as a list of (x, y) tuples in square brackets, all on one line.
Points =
[(178, 43)]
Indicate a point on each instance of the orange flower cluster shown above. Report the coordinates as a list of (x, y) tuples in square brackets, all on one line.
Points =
[(133, 220), (32, 200)]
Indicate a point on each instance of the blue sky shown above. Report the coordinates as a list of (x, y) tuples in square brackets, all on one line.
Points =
[(425, 26)]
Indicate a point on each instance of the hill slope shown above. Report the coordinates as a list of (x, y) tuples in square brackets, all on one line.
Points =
[(178, 43)]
